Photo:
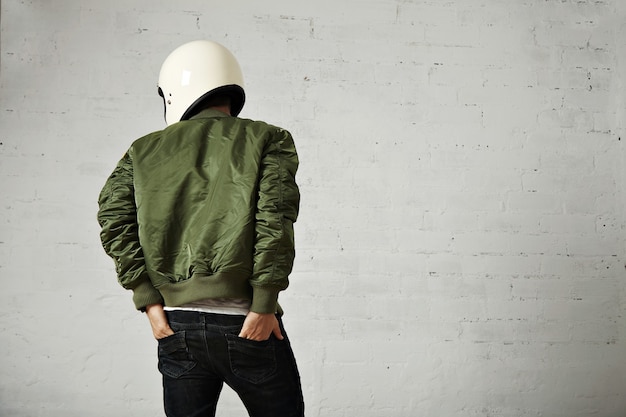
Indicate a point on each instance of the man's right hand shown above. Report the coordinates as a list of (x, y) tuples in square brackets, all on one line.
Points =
[(158, 320)]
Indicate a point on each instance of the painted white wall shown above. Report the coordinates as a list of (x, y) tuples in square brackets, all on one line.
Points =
[(461, 245)]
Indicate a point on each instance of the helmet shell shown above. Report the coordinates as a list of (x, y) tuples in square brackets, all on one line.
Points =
[(196, 71)]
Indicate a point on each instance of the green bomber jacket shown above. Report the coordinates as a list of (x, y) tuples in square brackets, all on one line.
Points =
[(204, 209)]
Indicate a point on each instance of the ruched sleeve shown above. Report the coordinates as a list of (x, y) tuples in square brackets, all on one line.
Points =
[(117, 216), (276, 211)]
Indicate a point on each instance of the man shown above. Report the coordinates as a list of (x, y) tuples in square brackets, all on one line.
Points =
[(199, 219)]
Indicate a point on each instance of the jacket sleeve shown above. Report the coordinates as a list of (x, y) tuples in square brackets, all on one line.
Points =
[(276, 211), (120, 234)]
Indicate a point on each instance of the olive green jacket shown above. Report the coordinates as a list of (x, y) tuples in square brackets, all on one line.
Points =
[(204, 209)]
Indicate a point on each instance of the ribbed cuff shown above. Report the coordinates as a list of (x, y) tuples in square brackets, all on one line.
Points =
[(145, 294), (264, 300)]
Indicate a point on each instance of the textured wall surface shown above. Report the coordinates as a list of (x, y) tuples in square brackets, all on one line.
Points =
[(462, 238)]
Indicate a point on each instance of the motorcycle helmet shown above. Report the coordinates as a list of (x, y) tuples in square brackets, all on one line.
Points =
[(194, 73)]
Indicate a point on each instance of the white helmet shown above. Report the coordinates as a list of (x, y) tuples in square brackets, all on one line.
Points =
[(196, 71)]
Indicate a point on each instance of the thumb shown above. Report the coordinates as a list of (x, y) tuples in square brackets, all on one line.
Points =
[(277, 331)]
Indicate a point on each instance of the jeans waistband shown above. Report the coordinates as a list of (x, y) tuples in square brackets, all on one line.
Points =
[(196, 317)]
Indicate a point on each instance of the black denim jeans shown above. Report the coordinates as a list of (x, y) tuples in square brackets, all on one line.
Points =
[(205, 352)]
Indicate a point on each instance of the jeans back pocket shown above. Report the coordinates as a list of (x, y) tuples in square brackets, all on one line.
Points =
[(174, 358), (251, 360)]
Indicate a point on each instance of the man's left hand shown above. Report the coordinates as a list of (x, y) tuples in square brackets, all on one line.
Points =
[(259, 327)]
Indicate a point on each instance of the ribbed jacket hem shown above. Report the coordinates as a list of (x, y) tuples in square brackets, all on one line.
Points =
[(202, 286)]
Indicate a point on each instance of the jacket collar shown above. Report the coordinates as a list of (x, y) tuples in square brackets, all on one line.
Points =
[(208, 113)]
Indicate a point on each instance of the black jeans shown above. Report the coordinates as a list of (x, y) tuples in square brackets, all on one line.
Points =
[(205, 352)]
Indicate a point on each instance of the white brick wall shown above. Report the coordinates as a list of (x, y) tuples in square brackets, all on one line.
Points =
[(461, 245)]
